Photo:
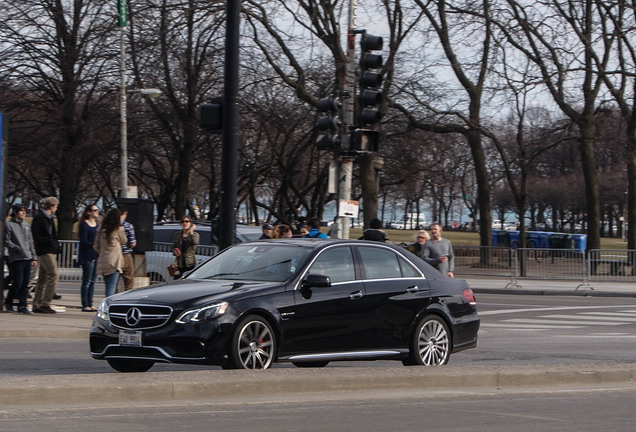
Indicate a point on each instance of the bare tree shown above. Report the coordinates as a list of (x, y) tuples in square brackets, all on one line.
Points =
[(560, 38), (54, 50), (463, 30), (177, 47)]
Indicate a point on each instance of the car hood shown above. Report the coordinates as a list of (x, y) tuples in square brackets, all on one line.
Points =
[(191, 292)]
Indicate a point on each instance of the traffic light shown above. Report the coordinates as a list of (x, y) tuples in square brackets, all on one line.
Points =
[(211, 115), (365, 140), (329, 124), (370, 96)]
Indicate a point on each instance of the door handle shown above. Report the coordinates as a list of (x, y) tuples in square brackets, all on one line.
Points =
[(413, 289), (355, 295)]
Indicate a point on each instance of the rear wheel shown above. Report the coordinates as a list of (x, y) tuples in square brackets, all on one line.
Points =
[(431, 343), (126, 365), (253, 344), (311, 364)]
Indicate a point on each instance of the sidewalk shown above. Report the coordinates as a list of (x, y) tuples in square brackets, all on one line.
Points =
[(68, 322)]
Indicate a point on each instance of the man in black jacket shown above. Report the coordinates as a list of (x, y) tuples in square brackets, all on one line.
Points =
[(374, 232), (46, 248)]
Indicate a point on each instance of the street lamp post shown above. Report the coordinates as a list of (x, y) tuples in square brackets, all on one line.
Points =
[(153, 93)]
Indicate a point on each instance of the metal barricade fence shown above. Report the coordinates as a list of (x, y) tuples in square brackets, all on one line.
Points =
[(541, 263), (616, 265), (484, 261), (555, 264), (69, 270)]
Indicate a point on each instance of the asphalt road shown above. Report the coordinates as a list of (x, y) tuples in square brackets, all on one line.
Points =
[(542, 363), (515, 330), (580, 409)]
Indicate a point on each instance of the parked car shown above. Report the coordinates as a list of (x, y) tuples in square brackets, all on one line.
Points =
[(157, 261), (304, 301)]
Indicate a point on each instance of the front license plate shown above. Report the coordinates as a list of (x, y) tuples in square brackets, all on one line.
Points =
[(130, 338)]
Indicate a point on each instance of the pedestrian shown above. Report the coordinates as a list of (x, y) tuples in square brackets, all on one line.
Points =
[(128, 263), (268, 231), (374, 232), (87, 255), (333, 229), (419, 245), (47, 247), (21, 258), (282, 231), (439, 252), (108, 243), (314, 229), (185, 243)]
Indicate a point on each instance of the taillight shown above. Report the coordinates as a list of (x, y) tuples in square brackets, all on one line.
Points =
[(469, 296)]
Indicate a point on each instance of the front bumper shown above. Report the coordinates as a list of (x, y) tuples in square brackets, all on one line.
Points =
[(202, 343)]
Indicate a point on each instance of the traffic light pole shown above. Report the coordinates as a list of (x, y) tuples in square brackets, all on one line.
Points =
[(345, 176), (229, 157)]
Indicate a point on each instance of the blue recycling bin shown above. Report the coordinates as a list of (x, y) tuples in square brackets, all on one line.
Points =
[(533, 240), (513, 237), (560, 241), (502, 238), (495, 237), (580, 241), (544, 240)]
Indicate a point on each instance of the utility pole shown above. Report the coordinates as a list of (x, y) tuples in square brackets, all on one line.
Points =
[(345, 174), (229, 157)]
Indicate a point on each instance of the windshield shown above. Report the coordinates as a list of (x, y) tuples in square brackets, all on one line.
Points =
[(254, 262)]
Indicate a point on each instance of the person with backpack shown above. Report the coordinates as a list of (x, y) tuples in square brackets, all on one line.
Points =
[(314, 229)]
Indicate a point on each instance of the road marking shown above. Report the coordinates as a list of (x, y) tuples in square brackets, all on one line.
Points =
[(546, 309), (610, 317), (546, 321), (529, 326), (623, 314)]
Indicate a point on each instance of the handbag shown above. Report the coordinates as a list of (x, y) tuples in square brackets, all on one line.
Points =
[(173, 269)]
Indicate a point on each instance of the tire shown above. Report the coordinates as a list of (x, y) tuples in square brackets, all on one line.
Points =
[(253, 344), (431, 345), (124, 365), (311, 364)]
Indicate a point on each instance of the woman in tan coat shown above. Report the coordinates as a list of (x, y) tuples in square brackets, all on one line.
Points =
[(108, 244)]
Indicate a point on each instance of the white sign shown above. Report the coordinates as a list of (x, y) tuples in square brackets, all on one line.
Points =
[(348, 208), (132, 192)]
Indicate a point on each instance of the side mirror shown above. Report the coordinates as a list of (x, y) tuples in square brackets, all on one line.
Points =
[(313, 281), (316, 281)]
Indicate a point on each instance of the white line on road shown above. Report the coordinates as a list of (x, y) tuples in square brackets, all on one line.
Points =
[(545, 321), (610, 317), (545, 309)]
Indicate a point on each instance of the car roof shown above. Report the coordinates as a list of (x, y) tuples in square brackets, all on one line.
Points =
[(318, 243)]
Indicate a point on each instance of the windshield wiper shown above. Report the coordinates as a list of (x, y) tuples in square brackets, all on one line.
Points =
[(221, 274)]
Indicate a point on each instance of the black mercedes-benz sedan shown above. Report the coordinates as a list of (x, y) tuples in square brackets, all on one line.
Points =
[(303, 301)]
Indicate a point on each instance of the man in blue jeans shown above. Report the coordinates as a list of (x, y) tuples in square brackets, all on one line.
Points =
[(21, 258)]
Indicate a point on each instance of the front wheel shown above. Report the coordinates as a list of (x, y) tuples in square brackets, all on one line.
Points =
[(253, 344), (125, 365), (431, 343)]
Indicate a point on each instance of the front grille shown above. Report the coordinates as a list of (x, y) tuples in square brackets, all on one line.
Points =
[(138, 316)]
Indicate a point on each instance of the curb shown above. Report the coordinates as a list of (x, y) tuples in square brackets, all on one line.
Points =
[(219, 384)]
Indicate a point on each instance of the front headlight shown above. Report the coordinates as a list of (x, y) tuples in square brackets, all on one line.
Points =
[(202, 314), (102, 309)]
